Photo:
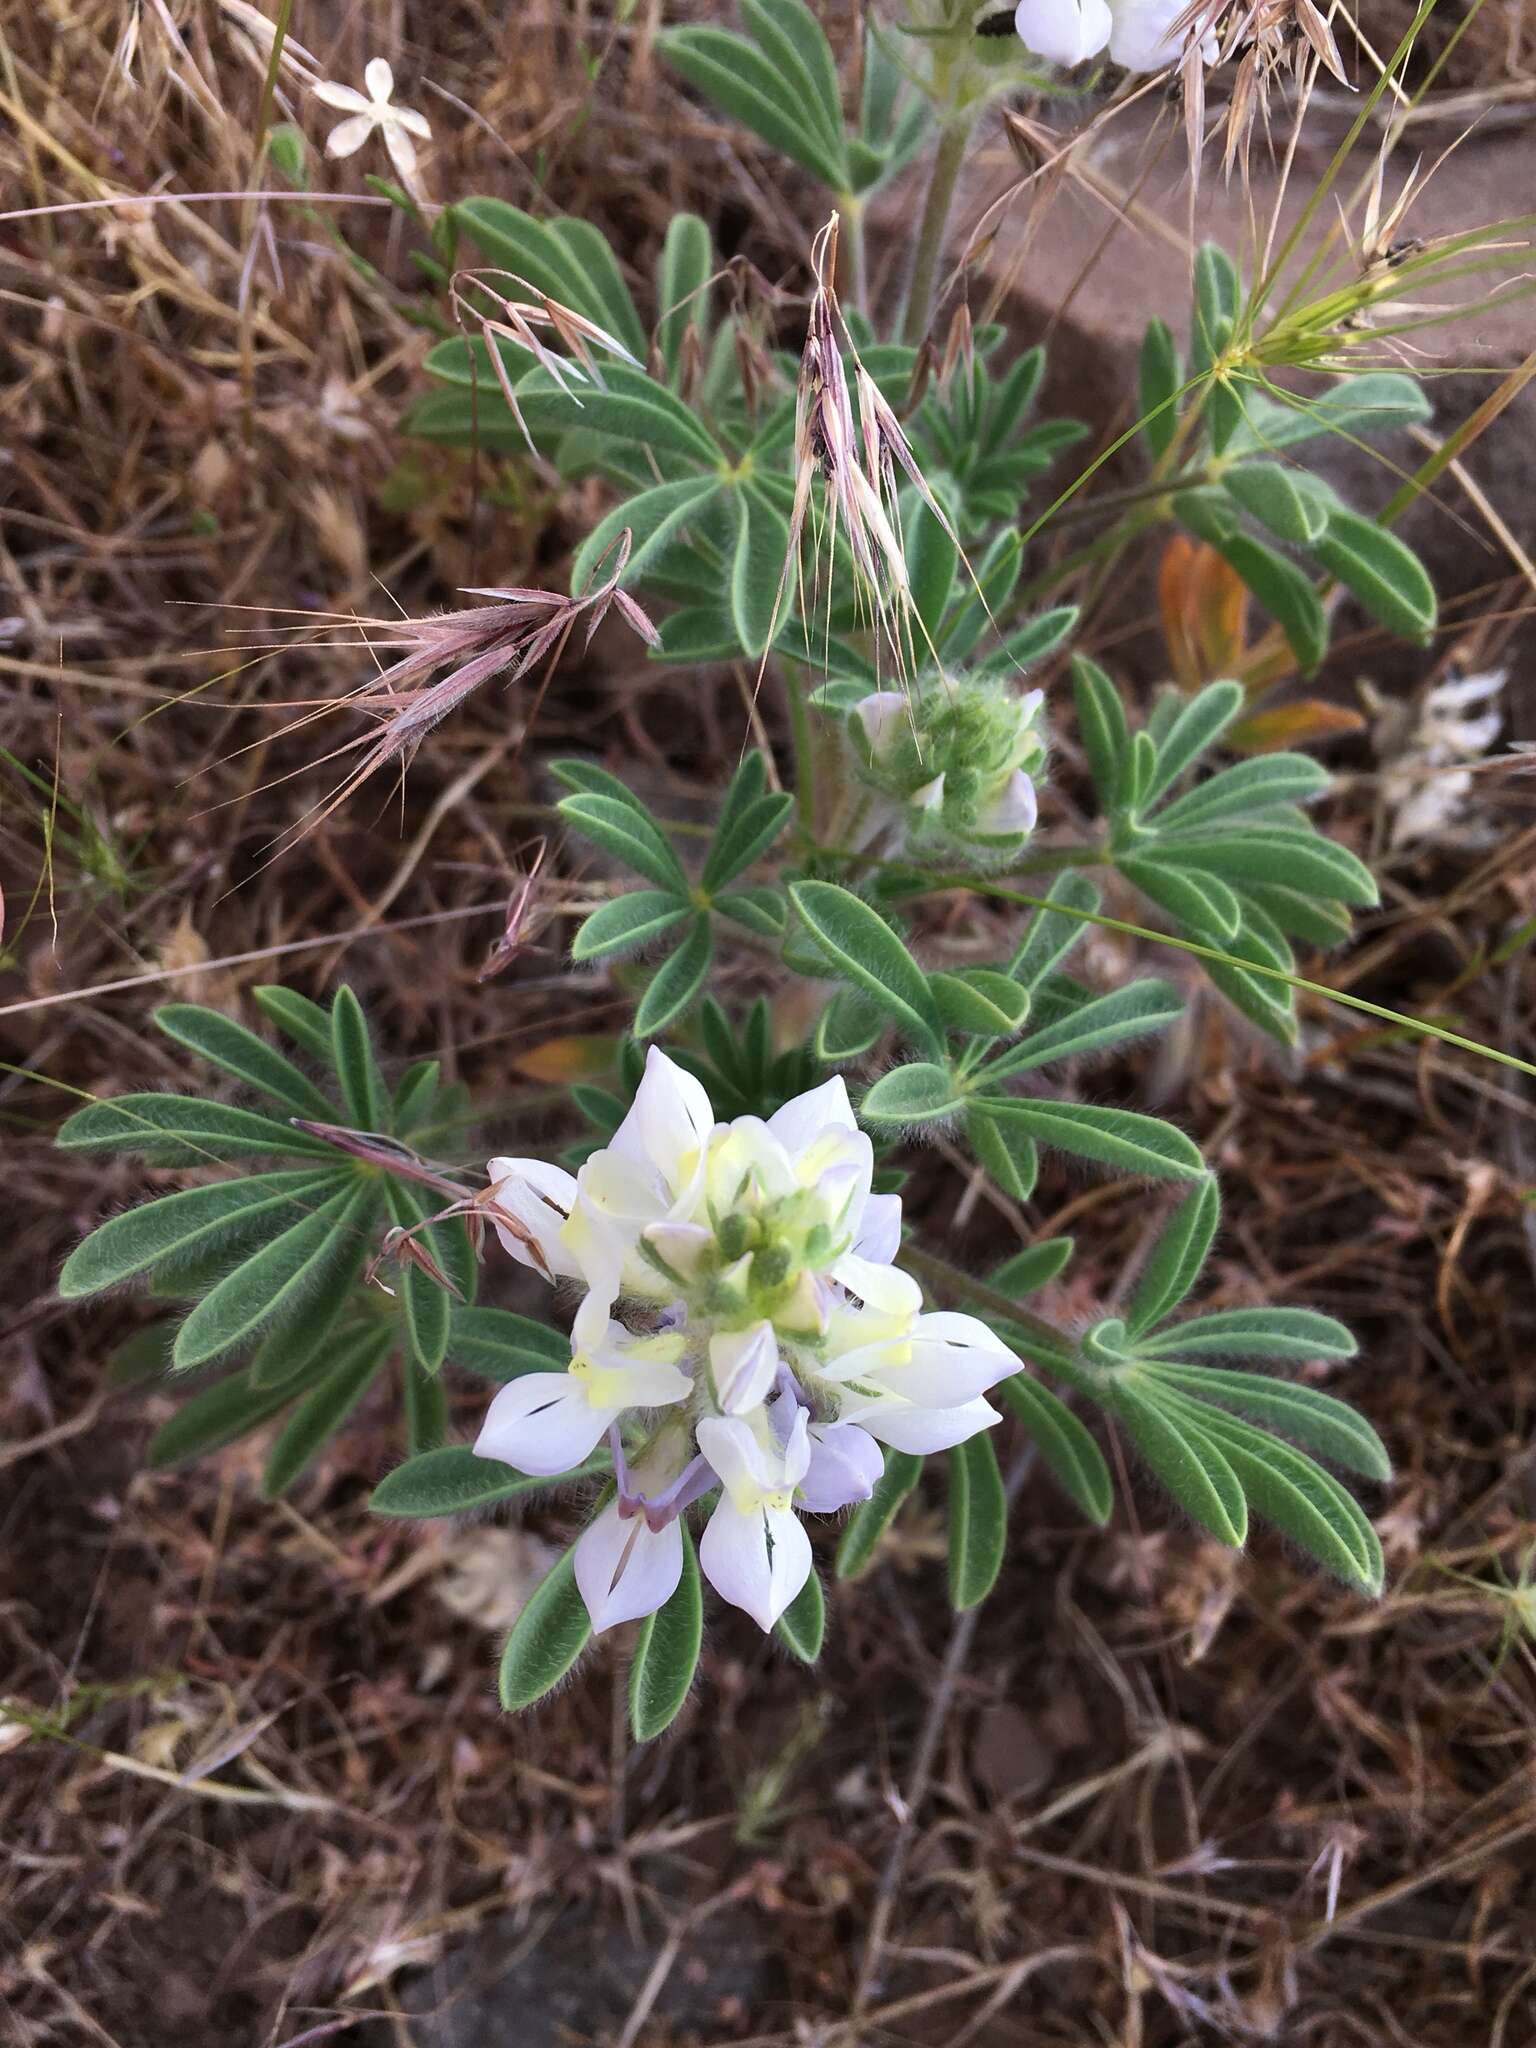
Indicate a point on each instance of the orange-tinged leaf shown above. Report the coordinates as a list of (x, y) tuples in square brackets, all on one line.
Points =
[(575, 1058), (1204, 607), (1290, 725)]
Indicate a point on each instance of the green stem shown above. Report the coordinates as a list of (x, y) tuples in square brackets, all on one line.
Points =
[(947, 1279), (942, 179)]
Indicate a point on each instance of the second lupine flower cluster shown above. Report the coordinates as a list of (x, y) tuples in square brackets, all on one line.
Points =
[(742, 1328)]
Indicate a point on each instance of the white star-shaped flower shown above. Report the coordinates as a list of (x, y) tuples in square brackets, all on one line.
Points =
[(374, 109)]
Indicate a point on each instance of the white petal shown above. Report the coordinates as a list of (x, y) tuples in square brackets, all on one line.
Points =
[(881, 1287), (1063, 31), (882, 716), (345, 98), (930, 797), (845, 1463), (757, 1561), (669, 1122), (682, 1245), (736, 1458), (402, 151), (1140, 39), (378, 78), (542, 1423), (744, 1364), (418, 124), (920, 1430), (879, 1232), (810, 1116), (797, 1448), (538, 1198), (953, 1359), (625, 1569), (349, 136), (1015, 810)]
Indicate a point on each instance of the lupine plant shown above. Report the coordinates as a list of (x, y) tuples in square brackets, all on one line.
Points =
[(744, 1330)]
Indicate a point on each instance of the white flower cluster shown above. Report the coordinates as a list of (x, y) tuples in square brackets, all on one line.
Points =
[(768, 1347), (1139, 34)]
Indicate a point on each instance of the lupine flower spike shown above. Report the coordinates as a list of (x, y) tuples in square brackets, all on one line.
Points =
[(743, 1328)]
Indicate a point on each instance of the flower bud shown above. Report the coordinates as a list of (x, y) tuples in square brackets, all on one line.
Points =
[(956, 765)]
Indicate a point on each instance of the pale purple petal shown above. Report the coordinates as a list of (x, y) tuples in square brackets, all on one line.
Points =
[(541, 1424), (879, 1234), (882, 716), (758, 1561), (625, 1569), (1015, 810), (744, 1364), (845, 1463)]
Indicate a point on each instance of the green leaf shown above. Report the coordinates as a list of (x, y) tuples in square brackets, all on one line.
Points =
[(740, 78), (794, 42), (980, 1002), (276, 1281), (1102, 727), (424, 1306), (932, 558), (546, 1639), (1203, 902), (1317, 1421), (1064, 1443), (757, 573), (803, 1623), (1267, 1003), (682, 280), (146, 1355), (919, 1093), (868, 953), (667, 1653), (415, 1095), (451, 1480), (362, 1085), (1177, 1257), (1302, 860), (298, 1337), (197, 1217), (426, 1408), (871, 1518), (629, 834), (1051, 934), (1198, 725), (628, 405), (529, 249), (1285, 592), (1303, 917), (1289, 502), (241, 1053), (298, 1018), (603, 288), (1302, 1500), (745, 838), (677, 981), (1186, 1461), (978, 1522), (1161, 375), (1386, 576), (848, 1026), (1130, 1012), (1042, 636), (654, 518), (1115, 1137), (628, 922), (217, 1416), (1006, 1151), (760, 909), (1215, 308), (322, 1412), (501, 1346), (1246, 787), (1294, 1333), (1369, 402), (183, 1130), (1029, 1270)]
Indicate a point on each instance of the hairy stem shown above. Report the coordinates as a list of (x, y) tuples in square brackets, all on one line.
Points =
[(942, 179)]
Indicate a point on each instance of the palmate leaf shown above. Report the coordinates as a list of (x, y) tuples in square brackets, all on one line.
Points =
[(1052, 934), (978, 1522), (920, 1092), (746, 81), (325, 1408), (183, 1130), (1029, 1270), (362, 1085), (666, 1654), (1177, 1257), (803, 1624), (1109, 1020), (426, 1407), (425, 1307), (216, 1416), (864, 949), (682, 286), (677, 981), (1004, 1147), (871, 1518), (1121, 1138), (452, 1480), (297, 1018), (653, 519), (1387, 577), (206, 1218), (240, 1052), (546, 1639), (1064, 1443), (1316, 1421), (296, 1267), (1186, 1461), (629, 833), (1300, 1334), (628, 923)]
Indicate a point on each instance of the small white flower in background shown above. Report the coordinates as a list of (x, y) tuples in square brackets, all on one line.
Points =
[(1138, 33), (374, 109), (1426, 784), (781, 1346)]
